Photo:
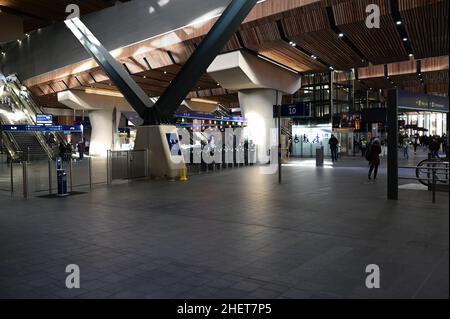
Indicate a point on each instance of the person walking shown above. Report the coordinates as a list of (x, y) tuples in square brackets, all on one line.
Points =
[(445, 144), (81, 149), (334, 143), (374, 158), (363, 147), (62, 151), (405, 147), (434, 148), (289, 148), (416, 144)]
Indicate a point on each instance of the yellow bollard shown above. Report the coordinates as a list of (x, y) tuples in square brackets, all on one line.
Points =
[(183, 177)]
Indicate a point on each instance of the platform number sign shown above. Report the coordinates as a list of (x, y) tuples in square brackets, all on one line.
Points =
[(296, 110)]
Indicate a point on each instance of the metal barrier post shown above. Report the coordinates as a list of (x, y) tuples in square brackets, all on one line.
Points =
[(128, 164), (12, 178), (147, 173), (90, 172), (108, 168), (50, 182), (71, 174), (25, 179), (434, 186)]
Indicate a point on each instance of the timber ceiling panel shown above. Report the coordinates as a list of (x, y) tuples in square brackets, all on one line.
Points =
[(439, 89), (438, 77), (406, 80), (266, 40), (379, 46), (312, 32), (377, 83), (426, 23)]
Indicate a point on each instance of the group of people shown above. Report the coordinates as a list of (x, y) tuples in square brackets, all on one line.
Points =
[(66, 150), (434, 144)]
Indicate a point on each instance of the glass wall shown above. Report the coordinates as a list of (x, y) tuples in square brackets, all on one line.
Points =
[(435, 123)]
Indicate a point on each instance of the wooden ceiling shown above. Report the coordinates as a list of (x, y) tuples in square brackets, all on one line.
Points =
[(302, 35)]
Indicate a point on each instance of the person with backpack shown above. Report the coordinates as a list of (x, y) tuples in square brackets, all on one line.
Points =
[(334, 148), (373, 156)]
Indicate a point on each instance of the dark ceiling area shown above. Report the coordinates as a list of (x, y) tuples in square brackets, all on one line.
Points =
[(40, 13)]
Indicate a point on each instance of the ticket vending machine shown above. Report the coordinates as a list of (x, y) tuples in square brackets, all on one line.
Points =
[(61, 178)]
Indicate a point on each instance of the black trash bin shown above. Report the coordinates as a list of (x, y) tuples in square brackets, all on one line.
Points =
[(62, 183)]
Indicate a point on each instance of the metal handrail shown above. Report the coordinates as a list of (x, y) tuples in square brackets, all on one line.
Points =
[(433, 179), (432, 168)]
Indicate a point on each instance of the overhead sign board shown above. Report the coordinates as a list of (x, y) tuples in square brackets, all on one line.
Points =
[(44, 119), (422, 102), (41, 128), (296, 110), (212, 117)]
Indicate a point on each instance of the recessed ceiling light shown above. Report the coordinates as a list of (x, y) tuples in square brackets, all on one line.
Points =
[(341, 35), (399, 22), (405, 39)]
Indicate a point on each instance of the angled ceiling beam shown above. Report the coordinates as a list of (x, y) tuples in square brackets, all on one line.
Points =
[(202, 57), (132, 92)]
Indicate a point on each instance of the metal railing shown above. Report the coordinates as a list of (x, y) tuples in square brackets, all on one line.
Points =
[(127, 165), (433, 178), (40, 177)]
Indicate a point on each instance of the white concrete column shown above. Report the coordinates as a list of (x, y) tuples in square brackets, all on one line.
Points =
[(257, 81), (103, 129), (257, 108), (101, 115)]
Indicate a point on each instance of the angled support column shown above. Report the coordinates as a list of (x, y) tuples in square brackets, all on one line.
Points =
[(132, 92), (203, 56), (392, 120)]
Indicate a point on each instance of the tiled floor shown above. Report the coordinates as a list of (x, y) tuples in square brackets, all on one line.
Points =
[(232, 234)]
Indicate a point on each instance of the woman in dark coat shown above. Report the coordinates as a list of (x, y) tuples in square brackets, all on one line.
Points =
[(374, 158)]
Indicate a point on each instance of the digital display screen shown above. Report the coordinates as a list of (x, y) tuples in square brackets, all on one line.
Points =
[(43, 119)]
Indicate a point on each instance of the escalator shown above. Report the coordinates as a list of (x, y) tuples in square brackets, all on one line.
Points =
[(18, 107)]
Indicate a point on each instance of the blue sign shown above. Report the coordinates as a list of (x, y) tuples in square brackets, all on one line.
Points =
[(174, 144), (422, 102), (41, 128), (302, 109), (44, 119), (212, 117)]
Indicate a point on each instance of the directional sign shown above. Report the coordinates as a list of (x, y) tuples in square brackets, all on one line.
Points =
[(41, 128), (44, 119), (296, 110)]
